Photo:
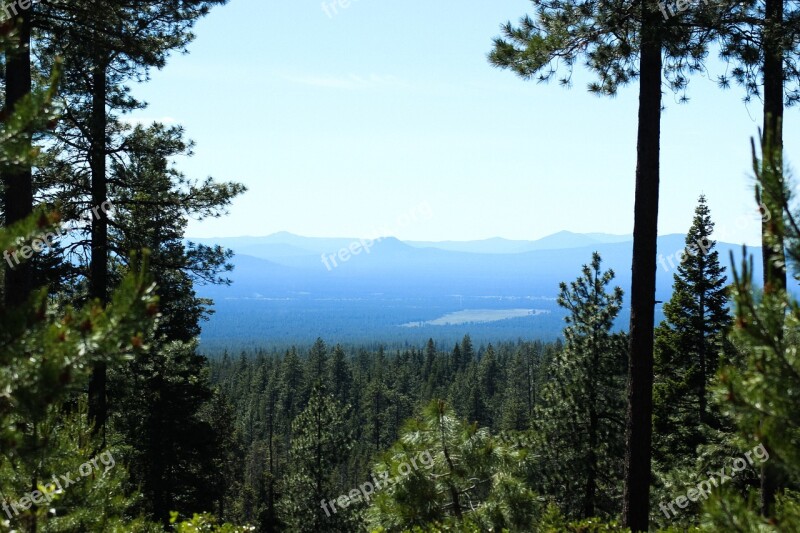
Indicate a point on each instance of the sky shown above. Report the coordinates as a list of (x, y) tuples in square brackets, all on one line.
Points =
[(386, 116)]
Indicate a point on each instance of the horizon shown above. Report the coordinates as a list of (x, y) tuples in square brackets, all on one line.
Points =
[(383, 237), (357, 132)]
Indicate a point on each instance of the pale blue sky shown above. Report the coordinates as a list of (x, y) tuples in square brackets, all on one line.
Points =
[(340, 125)]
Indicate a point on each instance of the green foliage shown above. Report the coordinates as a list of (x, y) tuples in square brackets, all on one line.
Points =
[(160, 395), (518, 405), (44, 354), (205, 523), (605, 37), (746, 31), (45, 357), (578, 421), (153, 203), (763, 396), (319, 447), (383, 389), (690, 344), (443, 470), (553, 521)]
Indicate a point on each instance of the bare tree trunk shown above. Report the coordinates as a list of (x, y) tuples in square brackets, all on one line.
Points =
[(636, 494), (98, 268), (18, 183)]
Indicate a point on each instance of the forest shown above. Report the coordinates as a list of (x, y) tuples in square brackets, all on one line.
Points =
[(113, 418)]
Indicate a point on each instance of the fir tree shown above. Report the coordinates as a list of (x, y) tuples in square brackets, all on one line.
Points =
[(689, 341)]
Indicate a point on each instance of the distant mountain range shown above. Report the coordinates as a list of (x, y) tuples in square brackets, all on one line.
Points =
[(285, 244), (497, 245), (290, 289)]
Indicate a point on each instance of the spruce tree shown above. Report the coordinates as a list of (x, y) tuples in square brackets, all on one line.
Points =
[(689, 342)]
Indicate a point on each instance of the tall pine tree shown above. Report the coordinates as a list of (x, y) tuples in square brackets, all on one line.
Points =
[(580, 417)]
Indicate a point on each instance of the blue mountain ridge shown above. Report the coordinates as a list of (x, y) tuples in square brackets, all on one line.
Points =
[(283, 292)]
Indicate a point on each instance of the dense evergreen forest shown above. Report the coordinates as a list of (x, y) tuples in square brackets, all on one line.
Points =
[(112, 419)]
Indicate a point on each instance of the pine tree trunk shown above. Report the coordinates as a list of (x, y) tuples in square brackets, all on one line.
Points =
[(702, 347), (270, 525), (320, 496), (590, 490), (636, 495), (18, 183), (98, 273), (454, 495), (773, 259)]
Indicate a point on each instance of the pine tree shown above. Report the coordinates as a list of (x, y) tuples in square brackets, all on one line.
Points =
[(291, 381), (456, 359), (445, 471), (579, 419), (762, 394), (105, 45), (761, 56), (489, 379), (319, 448), (467, 351), (611, 37), (340, 377), (159, 415), (224, 480), (16, 177), (317, 366), (45, 358), (515, 413), (690, 341)]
